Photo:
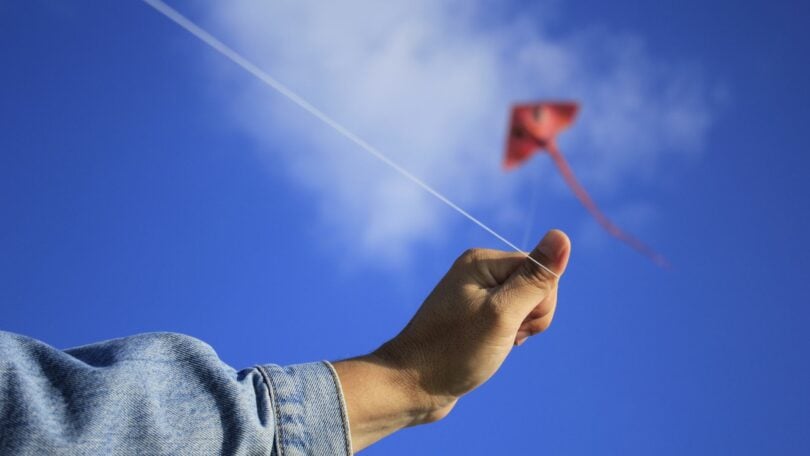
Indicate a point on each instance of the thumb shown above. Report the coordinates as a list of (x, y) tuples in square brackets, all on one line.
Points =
[(530, 283)]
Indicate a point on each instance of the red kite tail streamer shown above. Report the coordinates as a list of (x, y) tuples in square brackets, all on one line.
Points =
[(589, 204)]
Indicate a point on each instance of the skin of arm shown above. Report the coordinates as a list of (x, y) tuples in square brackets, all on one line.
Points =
[(488, 302)]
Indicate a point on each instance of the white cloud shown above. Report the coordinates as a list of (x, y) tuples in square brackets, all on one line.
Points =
[(429, 86)]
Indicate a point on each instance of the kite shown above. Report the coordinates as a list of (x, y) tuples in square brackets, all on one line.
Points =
[(534, 128)]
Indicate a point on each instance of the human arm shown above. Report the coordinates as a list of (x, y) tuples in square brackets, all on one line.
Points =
[(164, 393), (488, 302), (161, 393)]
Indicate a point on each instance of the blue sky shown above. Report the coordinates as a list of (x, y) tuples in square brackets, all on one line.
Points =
[(146, 184)]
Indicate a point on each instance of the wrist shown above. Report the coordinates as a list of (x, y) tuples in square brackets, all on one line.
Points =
[(383, 397), (421, 405), (427, 404)]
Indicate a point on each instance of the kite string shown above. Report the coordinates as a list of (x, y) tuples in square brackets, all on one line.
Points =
[(251, 68)]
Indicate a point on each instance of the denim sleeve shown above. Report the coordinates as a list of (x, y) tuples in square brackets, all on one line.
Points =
[(162, 393)]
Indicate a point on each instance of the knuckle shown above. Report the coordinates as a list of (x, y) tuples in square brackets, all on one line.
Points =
[(473, 256), (468, 257), (542, 310), (539, 325)]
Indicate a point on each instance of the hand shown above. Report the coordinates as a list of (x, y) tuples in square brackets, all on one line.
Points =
[(486, 304)]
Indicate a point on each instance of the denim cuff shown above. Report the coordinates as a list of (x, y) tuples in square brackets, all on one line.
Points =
[(310, 414)]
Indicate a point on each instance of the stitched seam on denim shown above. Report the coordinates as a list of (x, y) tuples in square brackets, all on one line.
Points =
[(268, 379), (344, 414)]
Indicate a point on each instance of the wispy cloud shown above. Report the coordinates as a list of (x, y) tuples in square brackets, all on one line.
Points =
[(429, 85)]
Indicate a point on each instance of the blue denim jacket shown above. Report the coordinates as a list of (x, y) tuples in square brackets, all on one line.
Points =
[(162, 393)]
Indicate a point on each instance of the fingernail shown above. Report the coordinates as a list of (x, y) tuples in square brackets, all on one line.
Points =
[(521, 341)]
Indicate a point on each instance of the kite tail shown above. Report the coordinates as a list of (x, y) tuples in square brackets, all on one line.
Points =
[(586, 200)]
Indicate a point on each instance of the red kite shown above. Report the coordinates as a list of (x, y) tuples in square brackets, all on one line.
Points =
[(534, 127)]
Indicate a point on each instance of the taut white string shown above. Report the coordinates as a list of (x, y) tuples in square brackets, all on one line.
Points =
[(251, 68)]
